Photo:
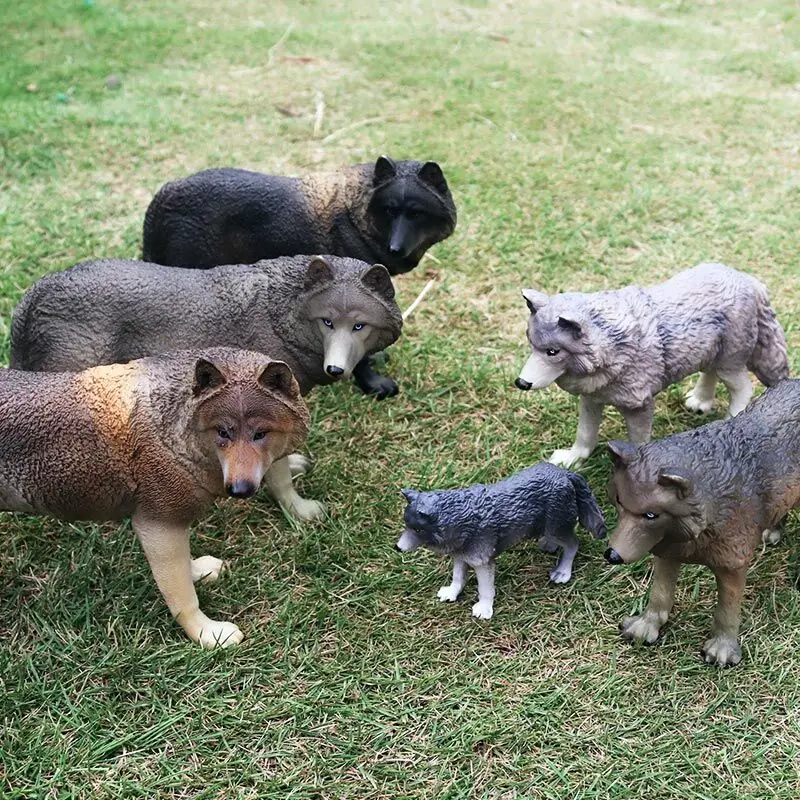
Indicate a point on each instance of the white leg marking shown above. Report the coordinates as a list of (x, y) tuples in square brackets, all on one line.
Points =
[(449, 594), (279, 483), (562, 571), (484, 608), (740, 388), (590, 415), (701, 398)]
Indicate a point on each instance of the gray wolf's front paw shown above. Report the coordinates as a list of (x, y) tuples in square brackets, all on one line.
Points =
[(700, 405), (723, 651), (482, 610), (643, 628), (449, 594), (569, 458), (560, 574)]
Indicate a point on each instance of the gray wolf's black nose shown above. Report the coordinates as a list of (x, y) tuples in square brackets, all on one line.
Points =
[(521, 383), (241, 489), (335, 371), (398, 548), (613, 557)]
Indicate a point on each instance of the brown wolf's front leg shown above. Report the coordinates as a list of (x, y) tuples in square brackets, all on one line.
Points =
[(646, 627), (722, 648), (166, 546)]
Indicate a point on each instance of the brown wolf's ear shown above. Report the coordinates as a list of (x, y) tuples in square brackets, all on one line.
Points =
[(534, 300), (622, 453), (681, 484), (377, 278), (318, 272), (206, 377), (431, 173), (278, 377), (385, 170)]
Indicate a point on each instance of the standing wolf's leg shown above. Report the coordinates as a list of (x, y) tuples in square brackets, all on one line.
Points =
[(645, 627), (701, 398), (740, 388), (166, 546), (570, 543), (279, 483), (450, 593), (370, 381), (590, 415), (484, 608), (722, 647), (639, 422)]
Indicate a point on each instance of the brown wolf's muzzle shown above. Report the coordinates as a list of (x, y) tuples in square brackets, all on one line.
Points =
[(241, 489)]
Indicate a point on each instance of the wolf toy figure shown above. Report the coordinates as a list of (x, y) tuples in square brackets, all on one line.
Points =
[(474, 525), (319, 315), (157, 440), (707, 496), (389, 212), (623, 347)]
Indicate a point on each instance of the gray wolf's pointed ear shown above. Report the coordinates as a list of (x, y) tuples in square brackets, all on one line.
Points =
[(318, 272), (206, 377), (431, 173), (385, 170), (378, 279), (622, 453), (571, 325), (277, 377), (534, 300), (681, 484)]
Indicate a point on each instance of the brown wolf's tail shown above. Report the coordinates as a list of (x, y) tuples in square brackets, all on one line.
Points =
[(768, 360), (589, 513)]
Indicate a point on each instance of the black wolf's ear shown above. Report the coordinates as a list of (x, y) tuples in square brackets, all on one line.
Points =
[(278, 377), (681, 484), (206, 377), (622, 453), (534, 300), (431, 173), (318, 272), (385, 170), (377, 278), (409, 494), (571, 325)]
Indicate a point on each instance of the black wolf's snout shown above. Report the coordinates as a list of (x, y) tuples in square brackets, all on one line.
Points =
[(241, 489), (613, 557), (335, 371), (521, 383)]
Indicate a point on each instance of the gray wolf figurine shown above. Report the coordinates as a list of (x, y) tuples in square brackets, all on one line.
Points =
[(474, 525), (389, 212), (623, 347), (157, 440), (319, 315), (707, 496)]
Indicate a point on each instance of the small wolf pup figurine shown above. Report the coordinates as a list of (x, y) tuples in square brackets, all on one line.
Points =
[(623, 347), (476, 524), (707, 496)]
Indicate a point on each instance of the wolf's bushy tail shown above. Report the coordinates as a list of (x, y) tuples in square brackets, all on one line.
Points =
[(768, 360), (589, 513), (20, 331)]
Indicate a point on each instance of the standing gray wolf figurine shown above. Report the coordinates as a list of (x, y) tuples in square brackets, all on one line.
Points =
[(156, 439), (389, 212), (319, 315), (623, 347), (707, 496), (474, 525)]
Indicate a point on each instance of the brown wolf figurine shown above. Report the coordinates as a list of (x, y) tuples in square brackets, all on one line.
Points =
[(157, 440), (389, 212), (707, 496)]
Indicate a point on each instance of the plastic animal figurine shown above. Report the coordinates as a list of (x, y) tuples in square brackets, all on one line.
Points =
[(707, 496), (474, 525), (623, 347)]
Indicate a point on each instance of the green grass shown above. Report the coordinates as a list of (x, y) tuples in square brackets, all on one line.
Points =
[(588, 145)]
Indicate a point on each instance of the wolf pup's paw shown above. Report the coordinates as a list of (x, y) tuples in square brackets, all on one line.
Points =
[(640, 628), (482, 610), (448, 594), (569, 458), (206, 569), (560, 574), (722, 651), (700, 405), (219, 634), (379, 386), (299, 464)]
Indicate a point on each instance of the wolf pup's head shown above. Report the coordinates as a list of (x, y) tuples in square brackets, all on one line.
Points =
[(421, 519), (248, 411), (560, 338), (410, 210), (352, 309), (655, 503)]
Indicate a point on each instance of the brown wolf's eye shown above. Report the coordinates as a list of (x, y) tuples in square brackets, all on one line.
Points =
[(224, 434), (259, 435)]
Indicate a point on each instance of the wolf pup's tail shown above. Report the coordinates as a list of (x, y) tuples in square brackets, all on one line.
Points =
[(768, 360), (589, 513)]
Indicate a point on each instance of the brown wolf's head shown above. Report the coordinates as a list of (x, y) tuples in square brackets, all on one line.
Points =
[(655, 504), (249, 411)]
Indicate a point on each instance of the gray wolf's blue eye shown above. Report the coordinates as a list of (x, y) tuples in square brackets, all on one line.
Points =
[(327, 323), (552, 351), (650, 515), (358, 326)]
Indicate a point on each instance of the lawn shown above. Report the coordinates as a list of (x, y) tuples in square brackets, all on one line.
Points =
[(588, 145)]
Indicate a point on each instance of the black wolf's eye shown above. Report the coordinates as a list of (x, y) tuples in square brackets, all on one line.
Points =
[(359, 326), (413, 213), (552, 351), (224, 434), (650, 515), (390, 211), (327, 323), (259, 435)]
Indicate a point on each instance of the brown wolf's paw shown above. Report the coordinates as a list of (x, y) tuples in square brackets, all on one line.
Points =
[(206, 569), (722, 651), (219, 634), (640, 628), (299, 464), (307, 510)]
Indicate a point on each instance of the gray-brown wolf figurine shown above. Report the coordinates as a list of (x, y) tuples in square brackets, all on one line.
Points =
[(157, 440), (707, 496), (389, 212), (623, 347)]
